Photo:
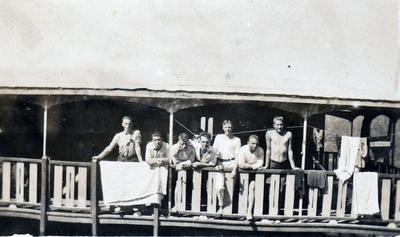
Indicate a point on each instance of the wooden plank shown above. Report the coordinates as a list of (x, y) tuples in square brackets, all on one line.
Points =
[(180, 191), (289, 195), (43, 196), (228, 196), (196, 191), (397, 205), (203, 123), (243, 193), (274, 194), (70, 186), (33, 175), (211, 193), (57, 192), (6, 181), (312, 201), (211, 125), (82, 186), (259, 194), (327, 198), (19, 182), (385, 198), (341, 201), (93, 197)]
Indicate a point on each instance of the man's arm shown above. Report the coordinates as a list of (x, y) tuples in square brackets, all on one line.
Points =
[(268, 149), (260, 159), (138, 140), (108, 149), (242, 164), (290, 152)]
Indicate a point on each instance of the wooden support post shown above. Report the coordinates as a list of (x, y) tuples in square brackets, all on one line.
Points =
[(43, 196), (303, 158), (93, 196), (156, 219), (171, 137)]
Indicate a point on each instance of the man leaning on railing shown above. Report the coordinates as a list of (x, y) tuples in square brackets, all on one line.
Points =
[(251, 157)]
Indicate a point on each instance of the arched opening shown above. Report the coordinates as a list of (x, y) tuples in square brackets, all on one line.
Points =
[(79, 130), (20, 129)]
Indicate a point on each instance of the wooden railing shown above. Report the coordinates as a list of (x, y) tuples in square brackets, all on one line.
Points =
[(277, 200), (53, 190)]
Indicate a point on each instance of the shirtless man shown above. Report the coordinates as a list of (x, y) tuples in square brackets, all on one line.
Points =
[(251, 157), (228, 146), (157, 151), (128, 142), (279, 154)]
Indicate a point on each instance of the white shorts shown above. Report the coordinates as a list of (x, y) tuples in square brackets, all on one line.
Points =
[(220, 176)]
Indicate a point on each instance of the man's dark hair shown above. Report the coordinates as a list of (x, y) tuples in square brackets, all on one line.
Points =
[(205, 134), (184, 137)]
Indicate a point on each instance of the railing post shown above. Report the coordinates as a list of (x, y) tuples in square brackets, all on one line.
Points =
[(93, 196), (43, 196), (156, 216)]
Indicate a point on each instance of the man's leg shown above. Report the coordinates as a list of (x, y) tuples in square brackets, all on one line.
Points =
[(251, 201), (219, 187)]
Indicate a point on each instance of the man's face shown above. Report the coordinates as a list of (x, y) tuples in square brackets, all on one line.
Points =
[(278, 125), (157, 142), (183, 145), (227, 128), (127, 124), (205, 143), (253, 144)]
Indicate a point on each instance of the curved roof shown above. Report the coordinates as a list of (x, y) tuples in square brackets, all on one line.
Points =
[(325, 49)]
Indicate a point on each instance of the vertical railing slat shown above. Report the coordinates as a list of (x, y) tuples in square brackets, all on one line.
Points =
[(33, 175), (327, 198), (274, 195), (385, 198), (82, 186), (57, 192), (196, 191), (211, 125), (19, 182), (312, 202), (70, 186), (259, 194), (243, 193), (6, 190), (228, 196), (341, 199), (180, 191), (289, 195), (397, 205), (211, 193)]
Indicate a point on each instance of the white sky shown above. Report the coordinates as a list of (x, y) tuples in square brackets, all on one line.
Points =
[(311, 47)]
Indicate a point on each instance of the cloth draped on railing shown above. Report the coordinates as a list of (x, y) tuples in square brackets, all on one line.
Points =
[(132, 183), (365, 193)]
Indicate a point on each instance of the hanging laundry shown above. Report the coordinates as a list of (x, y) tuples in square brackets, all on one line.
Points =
[(365, 193), (318, 135), (316, 179), (362, 154), (349, 149)]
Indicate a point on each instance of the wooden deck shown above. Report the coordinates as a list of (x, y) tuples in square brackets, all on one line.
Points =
[(60, 191)]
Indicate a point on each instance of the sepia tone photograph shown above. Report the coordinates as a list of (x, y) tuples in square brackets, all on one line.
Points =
[(200, 118)]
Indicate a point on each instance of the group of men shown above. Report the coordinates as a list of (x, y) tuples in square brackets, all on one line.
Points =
[(226, 154)]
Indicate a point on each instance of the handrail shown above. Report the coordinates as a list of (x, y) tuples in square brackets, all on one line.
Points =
[(16, 159), (70, 163)]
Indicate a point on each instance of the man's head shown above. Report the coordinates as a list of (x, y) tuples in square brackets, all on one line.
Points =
[(127, 123), (205, 138), (278, 124), (227, 126), (253, 143), (183, 140), (156, 139)]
